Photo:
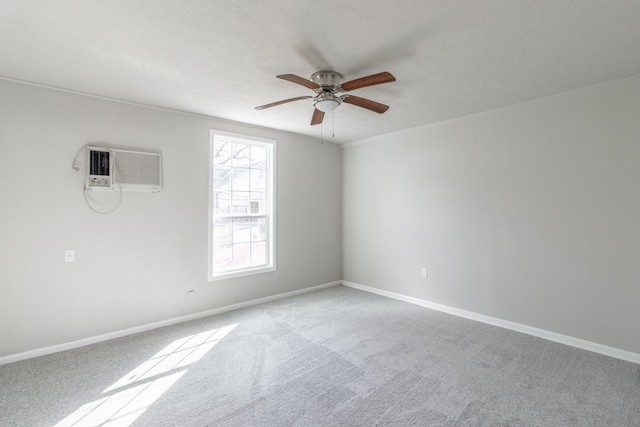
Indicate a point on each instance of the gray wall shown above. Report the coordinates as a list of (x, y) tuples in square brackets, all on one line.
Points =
[(529, 214), (135, 266)]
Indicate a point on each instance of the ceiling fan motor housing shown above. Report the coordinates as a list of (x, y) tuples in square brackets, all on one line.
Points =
[(327, 78)]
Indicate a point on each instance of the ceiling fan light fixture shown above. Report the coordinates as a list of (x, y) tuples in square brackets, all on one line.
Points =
[(327, 104)]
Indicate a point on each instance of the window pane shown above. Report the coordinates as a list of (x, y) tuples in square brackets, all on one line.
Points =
[(222, 231), (258, 229), (240, 202), (240, 179), (241, 230), (222, 153), (258, 253), (258, 157), (258, 180), (222, 202), (221, 179), (257, 203), (222, 257), (241, 155), (241, 255)]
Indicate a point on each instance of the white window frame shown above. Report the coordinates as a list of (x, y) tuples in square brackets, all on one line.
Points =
[(270, 207)]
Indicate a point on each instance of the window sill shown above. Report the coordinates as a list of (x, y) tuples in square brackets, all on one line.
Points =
[(241, 273)]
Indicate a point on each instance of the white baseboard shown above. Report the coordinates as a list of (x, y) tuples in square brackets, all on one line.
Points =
[(540, 333), (142, 328)]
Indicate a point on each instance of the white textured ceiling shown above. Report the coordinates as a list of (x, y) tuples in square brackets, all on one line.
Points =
[(219, 58)]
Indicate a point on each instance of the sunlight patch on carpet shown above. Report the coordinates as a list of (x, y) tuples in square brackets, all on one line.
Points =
[(132, 394)]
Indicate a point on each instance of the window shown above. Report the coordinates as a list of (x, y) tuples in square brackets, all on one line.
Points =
[(241, 238)]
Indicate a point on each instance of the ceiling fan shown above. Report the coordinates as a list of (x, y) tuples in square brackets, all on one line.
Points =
[(331, 92)]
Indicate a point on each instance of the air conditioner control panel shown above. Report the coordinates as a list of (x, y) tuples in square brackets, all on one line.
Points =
[(99, 181)]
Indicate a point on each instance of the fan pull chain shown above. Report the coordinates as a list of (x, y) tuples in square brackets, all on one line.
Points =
[(333, 124)]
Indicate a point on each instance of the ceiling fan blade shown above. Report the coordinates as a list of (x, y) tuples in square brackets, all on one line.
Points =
[(284, 101), (300, 80), (374, 79), (366, 103), (317, 117)]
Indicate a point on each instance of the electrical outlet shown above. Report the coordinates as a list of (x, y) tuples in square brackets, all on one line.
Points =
[(191, 293), (69, 255), (423, 272)]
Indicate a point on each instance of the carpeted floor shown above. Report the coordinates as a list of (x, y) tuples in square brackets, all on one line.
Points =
[(335, 357)]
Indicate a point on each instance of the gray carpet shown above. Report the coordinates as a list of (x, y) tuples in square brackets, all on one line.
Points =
[(336, 357)]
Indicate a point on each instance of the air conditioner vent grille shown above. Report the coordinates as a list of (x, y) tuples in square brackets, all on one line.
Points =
[(137, 168)]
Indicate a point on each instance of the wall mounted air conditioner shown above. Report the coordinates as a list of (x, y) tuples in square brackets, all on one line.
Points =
[(115, 169)]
